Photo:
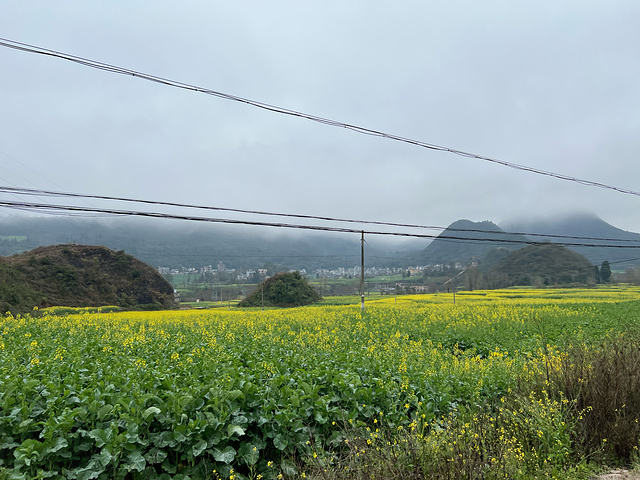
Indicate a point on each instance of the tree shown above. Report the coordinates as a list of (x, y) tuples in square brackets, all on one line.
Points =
[(605, 271), (282, 290), (473, 277)]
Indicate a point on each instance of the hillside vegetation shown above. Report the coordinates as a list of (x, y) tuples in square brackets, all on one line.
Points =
[(282, 290), (543, 264), (79, 276)]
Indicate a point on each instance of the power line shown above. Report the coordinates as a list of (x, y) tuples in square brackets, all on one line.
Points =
[(70, 208), (26, 191), (285, 111), (223, 255), (22, 178)]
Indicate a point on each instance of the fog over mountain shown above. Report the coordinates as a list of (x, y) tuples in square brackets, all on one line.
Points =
[(175, 244), (465, 241), (179, 244), (596, 230)]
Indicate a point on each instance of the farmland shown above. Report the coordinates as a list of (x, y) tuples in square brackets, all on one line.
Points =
[(299, 392)]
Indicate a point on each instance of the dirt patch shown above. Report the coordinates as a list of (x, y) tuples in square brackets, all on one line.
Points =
[(618, 475)]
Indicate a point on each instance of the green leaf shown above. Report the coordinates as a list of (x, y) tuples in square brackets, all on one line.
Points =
[(150, 411), (8, 444), (100, 436), (306, 387), (280, 442), (136, 461), (104, 410), (198, 448), (47, 474), (16, 475), (235, 429), (250, 453), (58, 445), (104, 457), (155, 455), (93, 470), (28, 452), (225, 456), (235, 395), (288, 468), (320, 419)]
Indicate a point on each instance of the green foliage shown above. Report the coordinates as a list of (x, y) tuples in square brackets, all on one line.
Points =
[(78, 310), (282, 290), (605, 271), (549, 263), (137, 395), (518, 437)]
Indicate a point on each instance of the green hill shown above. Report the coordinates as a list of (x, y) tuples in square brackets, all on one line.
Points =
[(543, 264), (282, 290), (79, 276)]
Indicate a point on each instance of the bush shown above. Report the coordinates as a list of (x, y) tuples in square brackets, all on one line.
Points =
[(282, 290), (604, 384)]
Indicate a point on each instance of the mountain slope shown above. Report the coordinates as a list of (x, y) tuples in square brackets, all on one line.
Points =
[(464, 241), (79, 276)]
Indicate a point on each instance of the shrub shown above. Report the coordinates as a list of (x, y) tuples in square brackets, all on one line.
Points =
[(282, 290), (604, 384)]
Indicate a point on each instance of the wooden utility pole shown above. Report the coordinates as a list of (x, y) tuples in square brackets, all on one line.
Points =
[(362, 273)]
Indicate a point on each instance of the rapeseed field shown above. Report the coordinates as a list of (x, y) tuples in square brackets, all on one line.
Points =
[(303, 392)]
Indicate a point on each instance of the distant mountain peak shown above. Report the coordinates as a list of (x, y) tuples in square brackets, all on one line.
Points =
[(484, 225), (465, 240)]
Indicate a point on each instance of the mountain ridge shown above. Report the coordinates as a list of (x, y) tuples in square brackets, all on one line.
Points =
[(174, 245)]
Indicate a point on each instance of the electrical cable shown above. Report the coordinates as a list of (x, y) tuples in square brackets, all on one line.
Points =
[(27, 191), (70, 208), (285, 111)]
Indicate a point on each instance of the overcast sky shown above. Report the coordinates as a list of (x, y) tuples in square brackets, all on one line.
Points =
[(547, 84)]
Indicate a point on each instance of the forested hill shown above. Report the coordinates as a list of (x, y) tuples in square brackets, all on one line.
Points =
[(541, 264), (79, 276)]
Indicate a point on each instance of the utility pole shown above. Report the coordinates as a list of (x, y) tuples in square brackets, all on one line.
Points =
[(362, 273), (454, 285)]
